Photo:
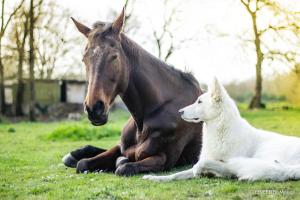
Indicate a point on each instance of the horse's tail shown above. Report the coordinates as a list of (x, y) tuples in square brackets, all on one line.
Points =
[(253, 169)]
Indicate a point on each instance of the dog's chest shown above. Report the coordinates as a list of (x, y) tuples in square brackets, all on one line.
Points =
[(218, 145)]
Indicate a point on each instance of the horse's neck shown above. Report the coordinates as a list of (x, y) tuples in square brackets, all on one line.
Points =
[(132, 100), (143, 92)]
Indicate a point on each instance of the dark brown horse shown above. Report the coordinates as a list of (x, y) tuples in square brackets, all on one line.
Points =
[(154, 138)]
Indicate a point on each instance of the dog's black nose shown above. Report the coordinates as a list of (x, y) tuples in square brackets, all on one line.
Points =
[(181, 112)]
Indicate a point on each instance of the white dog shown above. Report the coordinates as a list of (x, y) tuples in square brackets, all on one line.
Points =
[(232, 147)]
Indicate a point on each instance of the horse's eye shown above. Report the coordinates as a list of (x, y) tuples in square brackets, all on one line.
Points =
[(114, 57), (113, 80), (112, 45), (199, 101)]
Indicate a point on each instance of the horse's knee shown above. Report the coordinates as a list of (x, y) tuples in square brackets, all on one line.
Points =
[(141, 155), (163, 159), (146, 149)]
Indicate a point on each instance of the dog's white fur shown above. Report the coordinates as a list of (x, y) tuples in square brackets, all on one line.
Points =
[(233, 148)]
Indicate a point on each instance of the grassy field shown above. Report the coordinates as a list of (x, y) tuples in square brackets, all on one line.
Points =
[(30, 164)]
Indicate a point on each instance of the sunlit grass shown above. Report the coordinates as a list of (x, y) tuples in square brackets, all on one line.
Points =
[(30, 166)]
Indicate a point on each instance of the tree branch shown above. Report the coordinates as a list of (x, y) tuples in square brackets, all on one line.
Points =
[(10, 17)]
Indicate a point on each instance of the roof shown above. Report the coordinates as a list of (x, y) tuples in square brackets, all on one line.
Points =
[(13, 82)]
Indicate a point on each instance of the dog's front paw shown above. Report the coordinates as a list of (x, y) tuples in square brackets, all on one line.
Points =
[(247, 178), (148, 177), (156, 178)]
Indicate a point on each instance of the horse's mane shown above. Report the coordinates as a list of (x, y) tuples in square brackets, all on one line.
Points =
[(136, 51)]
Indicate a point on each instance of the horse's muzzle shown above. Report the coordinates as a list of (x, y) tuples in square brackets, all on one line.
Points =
[(96, 115), (99, 121)]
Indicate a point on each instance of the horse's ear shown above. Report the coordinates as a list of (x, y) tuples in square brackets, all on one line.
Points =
[(81, 28), (118, 24)]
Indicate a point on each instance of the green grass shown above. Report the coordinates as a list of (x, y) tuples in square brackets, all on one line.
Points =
[(30, 164)]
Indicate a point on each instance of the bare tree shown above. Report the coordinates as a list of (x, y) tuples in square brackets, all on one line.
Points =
[(286, 21), (31, 62), (165, 40), (19, 34), (52, 41), (131, 21), (3, 28)]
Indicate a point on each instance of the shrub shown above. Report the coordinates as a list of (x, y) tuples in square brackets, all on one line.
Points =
[(83, 132)]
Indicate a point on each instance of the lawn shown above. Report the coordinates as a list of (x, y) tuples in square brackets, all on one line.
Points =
[(31, 168)]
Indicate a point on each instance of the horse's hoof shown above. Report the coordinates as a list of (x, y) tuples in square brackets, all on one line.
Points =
[(127, 169), (82, 166), (70, 161), (121, 160)]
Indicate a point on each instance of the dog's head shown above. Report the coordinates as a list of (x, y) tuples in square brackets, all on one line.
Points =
[(208, 106)]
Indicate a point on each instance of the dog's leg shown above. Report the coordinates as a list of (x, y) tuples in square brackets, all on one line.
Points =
[(216, 168), (187, 174), (253, 169)]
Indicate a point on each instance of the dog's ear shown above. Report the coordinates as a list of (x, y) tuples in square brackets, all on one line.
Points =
[(216, 90)]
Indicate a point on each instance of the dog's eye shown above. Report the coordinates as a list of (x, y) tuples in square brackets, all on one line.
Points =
[(199, 101)]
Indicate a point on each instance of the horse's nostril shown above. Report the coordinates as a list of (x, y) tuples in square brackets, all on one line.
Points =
[(98, 108), (88, 110)]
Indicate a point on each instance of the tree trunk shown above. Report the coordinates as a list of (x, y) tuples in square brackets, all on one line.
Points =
[(20, 88), (2, 86), (2, 92), (256, 100), (3, 28), (31, 64)]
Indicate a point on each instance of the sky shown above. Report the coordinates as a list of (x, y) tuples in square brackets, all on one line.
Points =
[(209, 55), (213, 26)]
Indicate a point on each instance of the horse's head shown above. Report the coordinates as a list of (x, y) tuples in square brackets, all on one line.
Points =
[(105, 64)]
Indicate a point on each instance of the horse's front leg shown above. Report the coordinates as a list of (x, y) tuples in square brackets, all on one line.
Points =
[(88, 151), (105, 161), (144, 157), (149, 164)]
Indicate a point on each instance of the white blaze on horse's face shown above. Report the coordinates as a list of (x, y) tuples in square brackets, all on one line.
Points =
[(96, 50), (206, 107)]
